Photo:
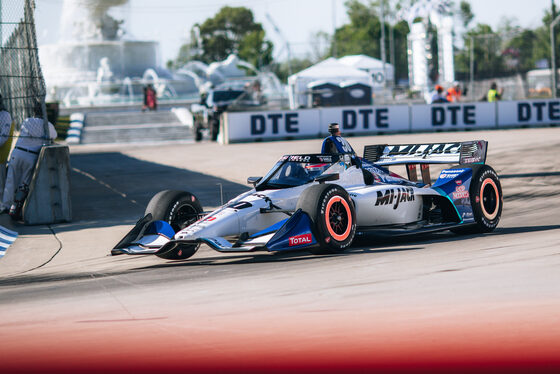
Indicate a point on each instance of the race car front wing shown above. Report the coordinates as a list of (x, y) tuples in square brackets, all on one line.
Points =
[(289, 234)]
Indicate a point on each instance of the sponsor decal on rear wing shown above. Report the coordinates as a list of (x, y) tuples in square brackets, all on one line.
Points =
[(471, 152), (312, 158)]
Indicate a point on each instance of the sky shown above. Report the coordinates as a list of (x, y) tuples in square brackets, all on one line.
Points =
[(169, 21)]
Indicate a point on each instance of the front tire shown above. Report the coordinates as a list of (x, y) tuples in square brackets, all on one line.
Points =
[(180, 209), (333, 217)]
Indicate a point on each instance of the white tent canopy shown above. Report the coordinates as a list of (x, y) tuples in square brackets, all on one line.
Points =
[(372, 66), (329, 70)]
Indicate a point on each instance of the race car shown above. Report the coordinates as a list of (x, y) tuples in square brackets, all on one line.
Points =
[(323, 202)]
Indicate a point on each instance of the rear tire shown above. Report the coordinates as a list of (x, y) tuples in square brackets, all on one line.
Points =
[(180, 209), (333, 217), (486, 197)]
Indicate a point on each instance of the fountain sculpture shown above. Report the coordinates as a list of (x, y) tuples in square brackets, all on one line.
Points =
[(95, 64)]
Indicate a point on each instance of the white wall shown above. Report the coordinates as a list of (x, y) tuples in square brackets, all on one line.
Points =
[(269, 125)]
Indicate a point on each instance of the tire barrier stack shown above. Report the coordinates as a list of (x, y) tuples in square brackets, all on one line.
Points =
[(74, 133)]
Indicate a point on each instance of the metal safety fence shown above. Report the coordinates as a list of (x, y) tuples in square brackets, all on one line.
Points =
[(21, 80)]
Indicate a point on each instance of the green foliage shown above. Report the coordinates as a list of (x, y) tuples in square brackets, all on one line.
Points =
[(254, 41), (282, 71), (526, 49), (465, 13), (362, 36), (488, 60), (505, 51), (232, 30)]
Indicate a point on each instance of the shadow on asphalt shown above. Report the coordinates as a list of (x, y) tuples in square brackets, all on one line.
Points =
[(112, 188), (196, 263), (531, 175), (361, 246), (372, 247)]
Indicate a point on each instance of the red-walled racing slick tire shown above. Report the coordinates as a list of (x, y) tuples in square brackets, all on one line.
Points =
[(487, 202), (333, 217)]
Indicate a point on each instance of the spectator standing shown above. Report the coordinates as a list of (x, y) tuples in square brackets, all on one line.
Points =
[(493, 93), (454, 93), (6, 132), (22, 161), (439, 96), (150, 98)]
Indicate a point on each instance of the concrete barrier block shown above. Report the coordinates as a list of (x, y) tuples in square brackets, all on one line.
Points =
[(49, 192)]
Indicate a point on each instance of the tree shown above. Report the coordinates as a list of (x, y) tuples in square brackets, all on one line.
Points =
[(506, 51), (488, 58), (231, 30), (362, 35), (320, 43), (281, 69), (465, 13), (524, 49)]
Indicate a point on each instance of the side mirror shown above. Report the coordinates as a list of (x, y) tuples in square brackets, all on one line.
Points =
[(253, 180), (327, 178)]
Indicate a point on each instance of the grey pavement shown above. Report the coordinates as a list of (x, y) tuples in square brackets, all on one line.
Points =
[(112, 184), (500, 289)]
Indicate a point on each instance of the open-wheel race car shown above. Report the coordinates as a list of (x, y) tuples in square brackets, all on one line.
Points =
[(323, 202)]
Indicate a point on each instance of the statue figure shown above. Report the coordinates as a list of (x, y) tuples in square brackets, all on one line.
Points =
[(104, 73), (89, 20)]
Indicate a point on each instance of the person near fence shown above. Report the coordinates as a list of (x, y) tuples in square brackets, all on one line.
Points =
[(22, 161), (454, 93), (438, 96), (493, 93), (6, 132), (150, 98)]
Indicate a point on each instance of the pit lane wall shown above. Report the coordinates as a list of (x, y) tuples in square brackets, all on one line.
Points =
[(308, 123)]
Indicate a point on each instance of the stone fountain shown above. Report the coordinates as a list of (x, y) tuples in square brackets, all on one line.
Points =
[(94, 63)]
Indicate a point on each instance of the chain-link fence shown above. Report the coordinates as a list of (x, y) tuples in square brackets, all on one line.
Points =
[(21, 81)]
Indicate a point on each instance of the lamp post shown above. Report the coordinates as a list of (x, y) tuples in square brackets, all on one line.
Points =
[(471, 67), (383, 59), (553, 57)]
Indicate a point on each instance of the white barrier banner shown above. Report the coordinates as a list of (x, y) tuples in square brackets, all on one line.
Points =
[(528, 113), (271, 124), (281, 124), (453, 116), (366, 119)]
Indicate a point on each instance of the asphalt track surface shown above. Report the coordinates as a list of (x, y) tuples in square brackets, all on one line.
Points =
[(438, 303)]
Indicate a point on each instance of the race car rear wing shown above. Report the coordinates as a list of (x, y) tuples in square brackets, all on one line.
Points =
[(471, 152)]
